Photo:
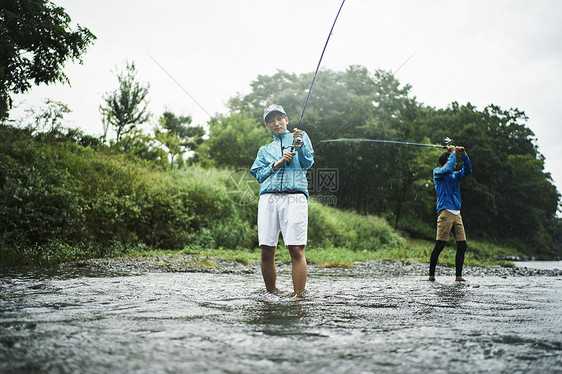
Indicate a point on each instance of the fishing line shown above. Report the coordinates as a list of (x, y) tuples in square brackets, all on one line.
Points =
[(318, 67), (178, 83)]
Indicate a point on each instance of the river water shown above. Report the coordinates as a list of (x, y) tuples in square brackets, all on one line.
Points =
[(351, 321), (542, 265)]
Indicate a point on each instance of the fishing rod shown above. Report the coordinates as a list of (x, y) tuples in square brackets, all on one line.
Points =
[(447, 142), (297, 142)]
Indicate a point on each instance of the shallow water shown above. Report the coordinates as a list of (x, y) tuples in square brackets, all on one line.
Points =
[(542, 265), (72, 321)]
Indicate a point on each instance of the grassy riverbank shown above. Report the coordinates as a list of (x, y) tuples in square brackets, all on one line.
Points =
[(63, 202), (412, 251), (415, 251)]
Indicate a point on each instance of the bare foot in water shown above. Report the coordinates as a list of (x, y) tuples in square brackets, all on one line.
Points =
[(299, 296)]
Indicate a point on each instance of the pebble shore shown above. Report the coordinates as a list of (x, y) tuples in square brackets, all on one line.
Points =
[(192, 263)]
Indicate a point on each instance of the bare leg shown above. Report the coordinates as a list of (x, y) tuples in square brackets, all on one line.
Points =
[(268, 270), (299, 267)]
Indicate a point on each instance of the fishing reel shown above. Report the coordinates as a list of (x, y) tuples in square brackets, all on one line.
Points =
[(297, 143), (448, 141)]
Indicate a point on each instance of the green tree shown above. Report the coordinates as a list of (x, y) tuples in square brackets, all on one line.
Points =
[(350, 104), (234, 141), (144, 146), (177, 134), (126, 107), (509, 195), (46, 123), (395, 181), (49, 118), (36, 40)]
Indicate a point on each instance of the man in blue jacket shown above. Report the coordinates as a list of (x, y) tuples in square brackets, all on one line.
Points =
[(281, 169), (449, 207)]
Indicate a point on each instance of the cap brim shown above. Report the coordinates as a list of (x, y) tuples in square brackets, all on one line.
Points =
[(273, 114)]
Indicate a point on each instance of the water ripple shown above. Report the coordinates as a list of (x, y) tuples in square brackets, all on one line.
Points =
[(351, 321)]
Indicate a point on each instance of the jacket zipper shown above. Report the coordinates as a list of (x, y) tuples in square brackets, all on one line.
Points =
[(282, 166)]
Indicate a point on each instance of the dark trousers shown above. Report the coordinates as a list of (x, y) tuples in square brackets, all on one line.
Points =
[(459, 259)]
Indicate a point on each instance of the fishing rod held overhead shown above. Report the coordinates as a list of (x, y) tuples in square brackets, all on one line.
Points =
[(318, 67), (297, 142), (447, 141)]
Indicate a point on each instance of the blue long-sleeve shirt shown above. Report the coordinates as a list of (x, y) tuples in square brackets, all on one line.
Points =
[(447, 183), (288, 177)]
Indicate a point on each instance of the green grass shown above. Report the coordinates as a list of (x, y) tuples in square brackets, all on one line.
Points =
[(479, 253), (415, 251), (62, 202)]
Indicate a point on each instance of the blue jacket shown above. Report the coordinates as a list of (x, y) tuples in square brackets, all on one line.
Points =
[(447, 183), (291, 177)]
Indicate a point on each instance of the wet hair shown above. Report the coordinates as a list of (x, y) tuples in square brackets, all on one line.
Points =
[(444, 158)]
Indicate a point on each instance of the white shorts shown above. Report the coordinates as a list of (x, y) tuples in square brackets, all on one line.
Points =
[(285, 213)]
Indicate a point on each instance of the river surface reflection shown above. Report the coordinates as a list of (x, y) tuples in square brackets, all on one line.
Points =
[(542, 265), (71, 321)]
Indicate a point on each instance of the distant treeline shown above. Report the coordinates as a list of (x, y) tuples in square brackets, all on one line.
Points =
[(66, 195), (509, 197)]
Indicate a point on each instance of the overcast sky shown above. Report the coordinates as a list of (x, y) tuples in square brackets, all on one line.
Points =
[(503, 52)]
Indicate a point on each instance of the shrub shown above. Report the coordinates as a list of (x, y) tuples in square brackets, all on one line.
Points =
[(329, 226), (39, 199)]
